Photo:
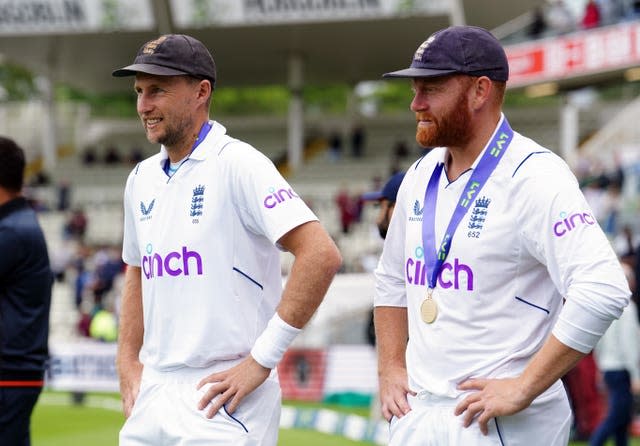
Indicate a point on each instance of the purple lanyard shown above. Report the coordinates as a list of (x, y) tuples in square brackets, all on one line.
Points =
[(204, 131), (492, 155)]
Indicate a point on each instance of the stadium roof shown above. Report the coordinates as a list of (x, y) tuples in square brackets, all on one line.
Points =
[(332, 48)]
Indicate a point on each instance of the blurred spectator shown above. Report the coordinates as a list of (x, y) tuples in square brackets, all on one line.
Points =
[(559, 18), (136, 155), (624, 244), (64, 195), (618, 355), (112, 156), (89, 156), (335, 146), (581, 385), (41, 178), (84, 276), (611, 11), (400, 150), (538, 25), (103, 326), (591, 17), (386, 200), (76, 225), (612, 207), (345, 204), (62, 258), (357, 141), (107, 265)]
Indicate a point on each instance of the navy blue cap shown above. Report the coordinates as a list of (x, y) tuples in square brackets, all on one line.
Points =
[(467, 50), (172, 55), (389, 191)]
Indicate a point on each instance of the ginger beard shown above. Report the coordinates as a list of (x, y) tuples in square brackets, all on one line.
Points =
[(451, 129)]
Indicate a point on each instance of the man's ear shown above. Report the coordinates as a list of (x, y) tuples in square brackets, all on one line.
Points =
[(204, 89), (481, 92)]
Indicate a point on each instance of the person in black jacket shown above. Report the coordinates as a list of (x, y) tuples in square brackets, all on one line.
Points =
[(26, 280)]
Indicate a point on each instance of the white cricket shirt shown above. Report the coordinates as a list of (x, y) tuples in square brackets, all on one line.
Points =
[(528, 241), (205, 240)]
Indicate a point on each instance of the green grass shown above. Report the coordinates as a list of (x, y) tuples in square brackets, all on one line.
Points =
[(74, 425), (56, 422)]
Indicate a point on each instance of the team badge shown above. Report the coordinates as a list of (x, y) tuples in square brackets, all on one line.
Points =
[(478, 216), (197, 203)]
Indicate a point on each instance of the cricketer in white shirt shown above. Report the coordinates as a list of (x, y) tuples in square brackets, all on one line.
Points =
[(528, 244), (205, 240), (231, 193)]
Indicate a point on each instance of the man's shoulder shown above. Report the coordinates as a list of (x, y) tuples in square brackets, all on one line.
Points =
[(525, 157), (236, 152), (146, 164)]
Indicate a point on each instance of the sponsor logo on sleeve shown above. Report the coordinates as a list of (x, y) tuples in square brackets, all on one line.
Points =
[(276, 197), (568, 223)]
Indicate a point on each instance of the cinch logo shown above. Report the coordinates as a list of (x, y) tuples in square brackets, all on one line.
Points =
[(567, 224), (274, 198), (173, 264), (455, 275)]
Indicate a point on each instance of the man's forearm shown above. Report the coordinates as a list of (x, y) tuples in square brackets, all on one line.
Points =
[(131, 329), (550, 364), (317, 260), (392, 332)]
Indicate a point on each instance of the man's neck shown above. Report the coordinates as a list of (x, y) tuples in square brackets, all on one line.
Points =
[(461, 158), (6, 196), (184, 148)]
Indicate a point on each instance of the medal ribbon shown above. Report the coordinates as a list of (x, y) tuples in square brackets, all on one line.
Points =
[(434, 259)]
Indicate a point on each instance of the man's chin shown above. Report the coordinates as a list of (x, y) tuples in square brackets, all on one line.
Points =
[(153, 138), (424, 140)]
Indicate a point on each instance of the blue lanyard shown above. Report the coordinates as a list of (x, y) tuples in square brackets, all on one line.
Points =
[(204, 131), (434, 259)]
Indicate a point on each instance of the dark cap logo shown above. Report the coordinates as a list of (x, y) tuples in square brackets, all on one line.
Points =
[(423, 47), (151, 47)]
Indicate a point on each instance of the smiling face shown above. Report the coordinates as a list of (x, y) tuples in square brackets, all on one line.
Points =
[(170, 109), (443, 114)]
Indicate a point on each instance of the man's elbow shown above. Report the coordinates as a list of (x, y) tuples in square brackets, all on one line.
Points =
[(331, 258)]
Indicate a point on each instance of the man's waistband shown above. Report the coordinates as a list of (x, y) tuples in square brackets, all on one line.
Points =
[(21, 378), (189, 374)]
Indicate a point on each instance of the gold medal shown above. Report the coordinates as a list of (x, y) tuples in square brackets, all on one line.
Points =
[(429, 309)]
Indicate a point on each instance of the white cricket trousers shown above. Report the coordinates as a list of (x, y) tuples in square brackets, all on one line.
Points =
[(431, 422), (166, 412)]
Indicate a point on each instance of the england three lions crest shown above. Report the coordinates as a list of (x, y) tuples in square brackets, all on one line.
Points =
[(478, 216), (197, 203)]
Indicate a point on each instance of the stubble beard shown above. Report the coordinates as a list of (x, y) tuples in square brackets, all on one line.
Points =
[(452, 129), (173, 135)]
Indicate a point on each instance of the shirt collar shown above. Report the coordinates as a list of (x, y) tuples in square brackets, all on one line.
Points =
[(203, 150)]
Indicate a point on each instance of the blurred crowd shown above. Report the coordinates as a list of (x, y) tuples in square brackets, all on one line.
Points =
[(94, 273), (555, 17)]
